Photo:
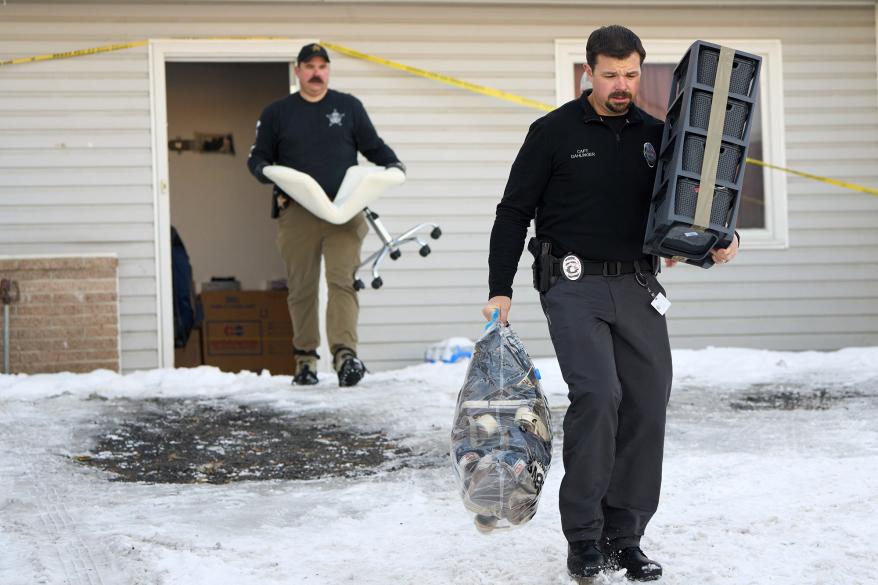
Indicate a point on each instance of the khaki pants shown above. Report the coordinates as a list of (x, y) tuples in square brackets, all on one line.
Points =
[(301, 239)]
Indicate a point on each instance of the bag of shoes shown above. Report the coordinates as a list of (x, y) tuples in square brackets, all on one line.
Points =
[(501, 439)]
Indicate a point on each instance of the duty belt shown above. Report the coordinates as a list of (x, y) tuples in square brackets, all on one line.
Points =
[(548, 268), (572, 267)]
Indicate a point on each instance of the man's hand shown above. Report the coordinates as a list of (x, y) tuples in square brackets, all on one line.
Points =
[(498, 302), (725, 255), (719, 255), (396, 165)]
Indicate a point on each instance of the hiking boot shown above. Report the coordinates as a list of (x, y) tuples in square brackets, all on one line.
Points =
[(306, 371), (585, 559), (349, 367), (636, 564)]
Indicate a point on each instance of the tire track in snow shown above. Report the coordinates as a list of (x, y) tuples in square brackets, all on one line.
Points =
[(81, 560)]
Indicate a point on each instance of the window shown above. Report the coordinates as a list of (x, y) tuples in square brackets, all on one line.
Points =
[(762, 218)]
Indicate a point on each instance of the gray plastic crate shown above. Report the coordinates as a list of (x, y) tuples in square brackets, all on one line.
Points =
[(670, 230), (730, 158), (687, 198), (737, 114), (730, 163), (743, 72)]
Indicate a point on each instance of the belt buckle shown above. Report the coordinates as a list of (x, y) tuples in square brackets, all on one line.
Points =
[(615, 263)]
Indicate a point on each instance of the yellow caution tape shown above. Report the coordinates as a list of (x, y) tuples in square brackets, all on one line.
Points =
[(78, 53), (836, 182), (131, 45), (446, 79), (548, 108)]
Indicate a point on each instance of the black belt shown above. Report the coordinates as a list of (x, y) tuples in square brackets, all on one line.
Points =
[(572, 267)]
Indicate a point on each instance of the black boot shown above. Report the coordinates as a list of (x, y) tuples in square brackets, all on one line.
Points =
[(349, 367), (305, 376), (585, 559), (306, 368), (636, 564)]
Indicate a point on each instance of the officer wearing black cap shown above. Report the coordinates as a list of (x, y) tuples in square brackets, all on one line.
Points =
[(318, 131), (585, 172), (310, 51)]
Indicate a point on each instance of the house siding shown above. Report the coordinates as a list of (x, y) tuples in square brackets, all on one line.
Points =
[(76, 162)]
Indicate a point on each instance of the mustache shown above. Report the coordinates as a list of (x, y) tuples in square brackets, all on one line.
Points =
[(621, 94), (315, 78)]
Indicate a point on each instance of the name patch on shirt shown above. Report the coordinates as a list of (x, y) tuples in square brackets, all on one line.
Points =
[(583, 153)]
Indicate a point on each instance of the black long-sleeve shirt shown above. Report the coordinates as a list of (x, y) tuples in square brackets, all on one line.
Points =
[(320, 139), (588, 185)]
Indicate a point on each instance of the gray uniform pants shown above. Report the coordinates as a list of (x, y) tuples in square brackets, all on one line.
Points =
[(615, 357)]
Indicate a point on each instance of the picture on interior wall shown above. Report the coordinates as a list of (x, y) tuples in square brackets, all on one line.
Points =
[(655, 86), (204, 142)]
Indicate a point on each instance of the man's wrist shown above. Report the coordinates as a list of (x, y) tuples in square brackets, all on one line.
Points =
[(500, 293)]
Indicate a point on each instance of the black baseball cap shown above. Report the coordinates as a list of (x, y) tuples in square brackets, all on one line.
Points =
[(310, 51)]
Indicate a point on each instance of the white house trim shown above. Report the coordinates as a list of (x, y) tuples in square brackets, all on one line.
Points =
[(162, 51)]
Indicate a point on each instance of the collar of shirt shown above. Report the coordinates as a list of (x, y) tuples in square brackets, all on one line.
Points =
[(634, 115)]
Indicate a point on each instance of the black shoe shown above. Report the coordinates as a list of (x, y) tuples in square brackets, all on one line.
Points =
[(636, 564), (350, 368), (304, 376), (585, 559)]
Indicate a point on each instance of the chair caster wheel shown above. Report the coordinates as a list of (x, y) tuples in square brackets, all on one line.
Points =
[(436, 233), (395, 254), (424, 251), (377, 283), (359, 284)]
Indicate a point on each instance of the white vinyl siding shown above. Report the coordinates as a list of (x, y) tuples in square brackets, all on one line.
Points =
[(76, 167), (76, 162)]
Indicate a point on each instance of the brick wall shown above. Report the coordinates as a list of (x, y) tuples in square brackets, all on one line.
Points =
[(68, 316)]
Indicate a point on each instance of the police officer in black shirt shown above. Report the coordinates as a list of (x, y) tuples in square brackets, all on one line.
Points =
[(318, 131), (586, 172)]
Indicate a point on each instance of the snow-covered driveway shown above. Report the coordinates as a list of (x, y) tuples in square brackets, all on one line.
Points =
[(771, 476)]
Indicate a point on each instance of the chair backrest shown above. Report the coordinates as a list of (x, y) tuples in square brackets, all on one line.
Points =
[(353, 177)]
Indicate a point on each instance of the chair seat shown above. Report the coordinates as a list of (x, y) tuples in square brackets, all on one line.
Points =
[(361, 186)]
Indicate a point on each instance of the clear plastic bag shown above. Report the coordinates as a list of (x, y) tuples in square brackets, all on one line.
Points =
[(501, 440)]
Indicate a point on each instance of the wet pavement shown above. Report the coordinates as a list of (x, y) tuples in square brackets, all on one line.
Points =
[(217, 441), (788, 397), (189, 441)]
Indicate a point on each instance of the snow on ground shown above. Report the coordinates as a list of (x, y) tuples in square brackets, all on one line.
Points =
[(753, 494)]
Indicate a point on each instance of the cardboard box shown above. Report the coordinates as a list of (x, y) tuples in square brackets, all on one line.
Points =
[(247, 330), (220, 285), (189, 356)]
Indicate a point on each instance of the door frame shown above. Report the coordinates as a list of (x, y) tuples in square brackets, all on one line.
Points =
[(162, 51)]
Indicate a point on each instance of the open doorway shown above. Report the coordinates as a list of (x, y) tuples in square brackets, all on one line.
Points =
[(221, 214), (211, 203), (219, 209)]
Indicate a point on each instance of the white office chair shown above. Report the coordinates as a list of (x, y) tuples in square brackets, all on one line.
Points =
[(361, 186)]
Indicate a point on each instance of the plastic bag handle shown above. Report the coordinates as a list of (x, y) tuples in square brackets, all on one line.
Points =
[(494, 316)]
